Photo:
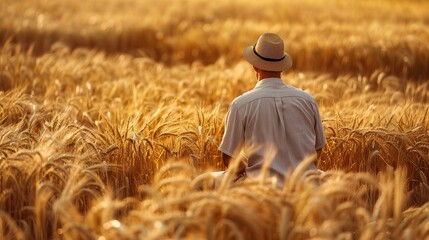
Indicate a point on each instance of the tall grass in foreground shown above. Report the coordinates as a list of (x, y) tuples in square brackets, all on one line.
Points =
[(313, 205)]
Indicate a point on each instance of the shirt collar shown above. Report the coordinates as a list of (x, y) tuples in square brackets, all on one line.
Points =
[(270, 82)]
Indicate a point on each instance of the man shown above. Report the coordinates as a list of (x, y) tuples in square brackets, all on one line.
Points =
[(273, 120)]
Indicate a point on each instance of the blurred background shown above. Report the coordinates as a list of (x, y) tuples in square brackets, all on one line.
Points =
[(332, 36)]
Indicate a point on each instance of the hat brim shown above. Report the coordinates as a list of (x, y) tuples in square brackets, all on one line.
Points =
[(274, 66)]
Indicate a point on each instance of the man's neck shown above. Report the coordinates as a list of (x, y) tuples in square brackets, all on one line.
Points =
[(266, 75)]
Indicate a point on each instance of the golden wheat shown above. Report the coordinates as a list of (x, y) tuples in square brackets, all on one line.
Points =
[(361, 37), (106, 121)]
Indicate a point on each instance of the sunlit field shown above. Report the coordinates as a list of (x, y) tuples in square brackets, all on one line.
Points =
[(110, 110)]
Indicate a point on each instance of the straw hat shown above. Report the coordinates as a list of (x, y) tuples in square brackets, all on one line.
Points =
[(268, 54)]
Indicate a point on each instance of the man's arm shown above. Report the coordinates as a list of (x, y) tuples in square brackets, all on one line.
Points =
[(318, 152), (227, 160)]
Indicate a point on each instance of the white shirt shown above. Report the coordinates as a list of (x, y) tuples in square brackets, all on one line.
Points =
[(277, 116)]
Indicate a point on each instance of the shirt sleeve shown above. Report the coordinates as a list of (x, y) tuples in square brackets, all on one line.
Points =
[(318, 128), (233, 137)]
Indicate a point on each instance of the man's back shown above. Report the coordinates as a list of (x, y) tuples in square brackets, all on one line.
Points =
[(273, 116)]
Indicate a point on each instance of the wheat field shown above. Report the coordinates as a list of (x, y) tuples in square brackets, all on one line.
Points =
[(110, 110)]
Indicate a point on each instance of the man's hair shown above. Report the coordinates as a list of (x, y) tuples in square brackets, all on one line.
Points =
[(270, 71)]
